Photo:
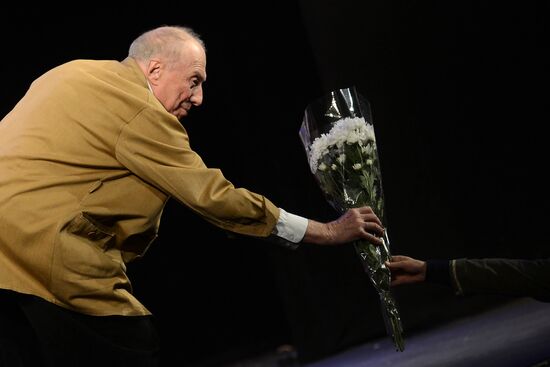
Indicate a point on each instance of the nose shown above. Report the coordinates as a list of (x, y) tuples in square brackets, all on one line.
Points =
[(196, 98)]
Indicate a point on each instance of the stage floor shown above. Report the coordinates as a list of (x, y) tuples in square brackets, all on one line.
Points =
[(515, 334)]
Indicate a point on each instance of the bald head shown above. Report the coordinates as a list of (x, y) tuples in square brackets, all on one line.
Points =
[(166, 42), (173, 60)]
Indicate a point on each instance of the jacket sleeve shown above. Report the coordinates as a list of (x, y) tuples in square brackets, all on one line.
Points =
[(155, 147), (513, 277), (437, 271)]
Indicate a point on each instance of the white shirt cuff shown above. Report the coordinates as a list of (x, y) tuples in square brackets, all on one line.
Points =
[(291, 227)]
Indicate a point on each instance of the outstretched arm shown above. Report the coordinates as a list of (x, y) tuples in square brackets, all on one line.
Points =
[(513, 277)]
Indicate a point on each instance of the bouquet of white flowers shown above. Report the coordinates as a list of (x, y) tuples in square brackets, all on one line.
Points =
[(338, 136)]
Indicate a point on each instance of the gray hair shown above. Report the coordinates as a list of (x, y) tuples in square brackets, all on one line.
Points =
[(162, 41)]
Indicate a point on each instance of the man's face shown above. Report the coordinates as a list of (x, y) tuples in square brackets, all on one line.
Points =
[(178, 86)]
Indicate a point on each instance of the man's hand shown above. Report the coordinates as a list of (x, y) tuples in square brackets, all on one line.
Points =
[(406, 270), (354, 224)]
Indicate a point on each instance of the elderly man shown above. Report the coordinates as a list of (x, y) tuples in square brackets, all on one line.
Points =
[(88, 159)]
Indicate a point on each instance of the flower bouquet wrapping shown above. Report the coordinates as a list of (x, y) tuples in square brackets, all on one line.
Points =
[(338, 135)]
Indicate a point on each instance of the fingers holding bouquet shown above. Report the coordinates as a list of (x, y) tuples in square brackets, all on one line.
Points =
[(357, 223)]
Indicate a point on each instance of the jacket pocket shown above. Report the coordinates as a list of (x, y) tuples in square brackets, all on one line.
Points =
[(85, 263), (86, 227)]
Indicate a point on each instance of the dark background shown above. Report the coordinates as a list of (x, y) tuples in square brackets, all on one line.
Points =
[(459, 94)]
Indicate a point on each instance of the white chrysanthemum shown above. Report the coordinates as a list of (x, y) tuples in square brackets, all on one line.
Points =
[(345, 131), (356, 166), (368, 149)]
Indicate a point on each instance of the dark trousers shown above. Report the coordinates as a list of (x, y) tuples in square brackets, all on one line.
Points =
[(37, 333)]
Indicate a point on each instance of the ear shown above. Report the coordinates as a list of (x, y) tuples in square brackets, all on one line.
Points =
[(153, 71)]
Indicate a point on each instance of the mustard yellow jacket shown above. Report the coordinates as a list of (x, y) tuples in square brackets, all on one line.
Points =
[(88, 159)]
